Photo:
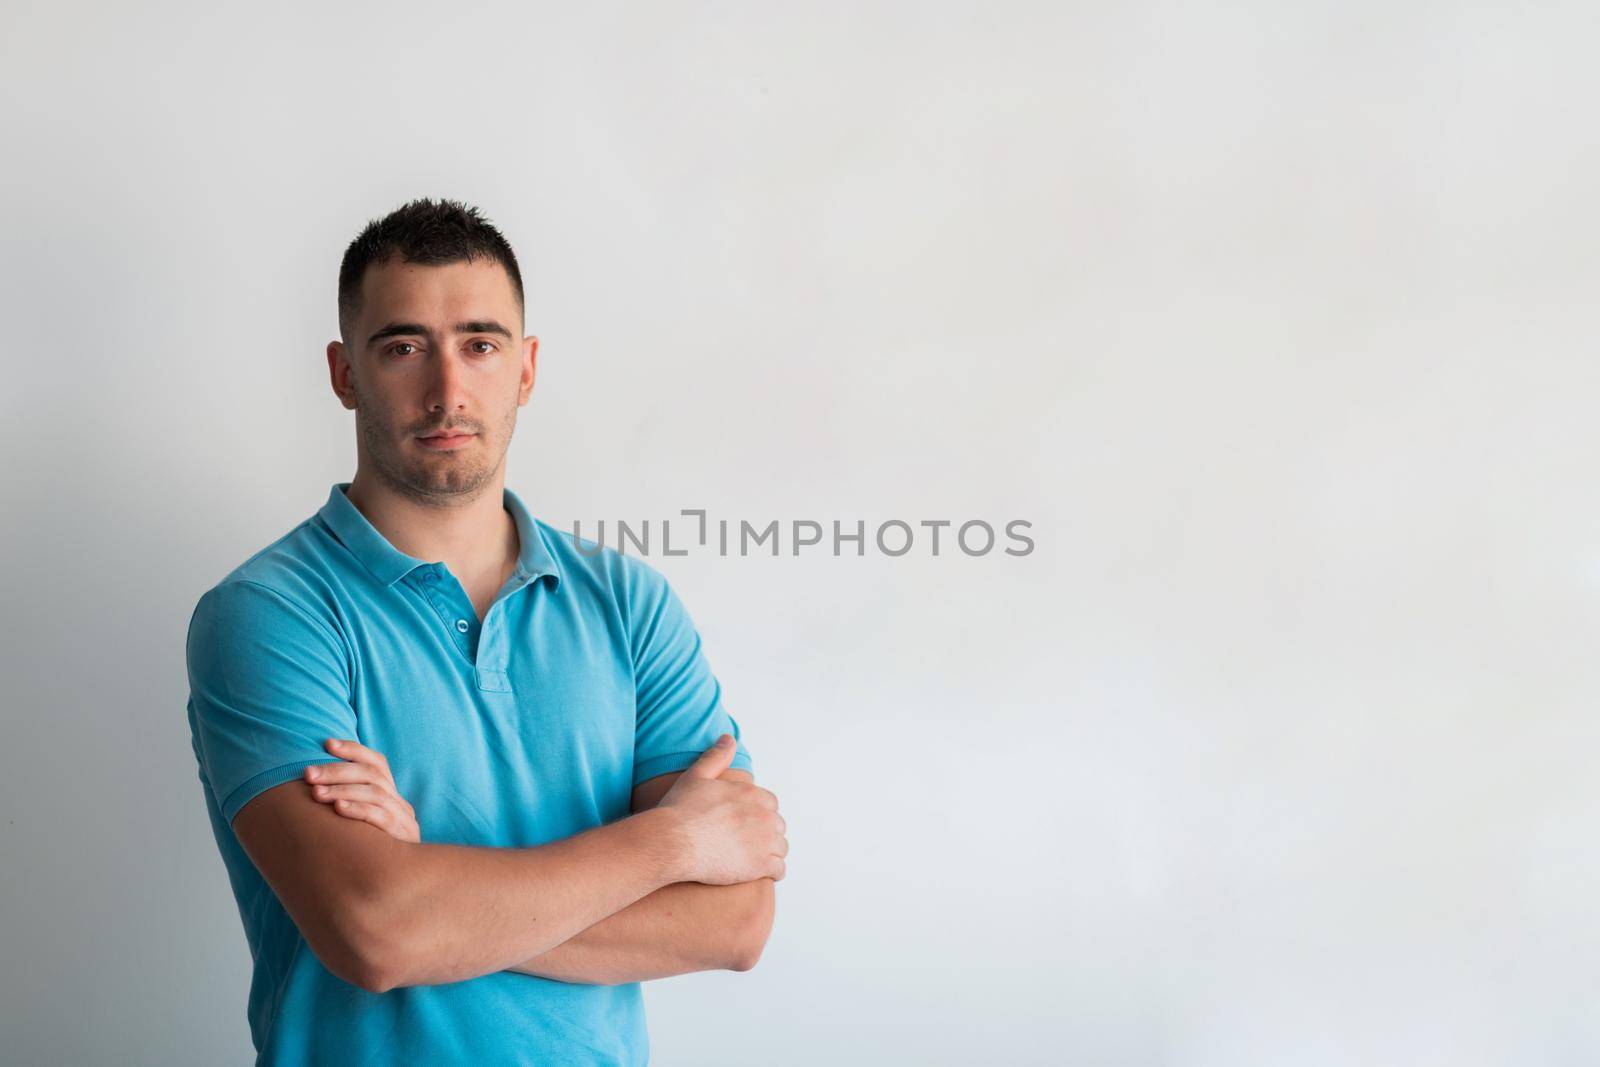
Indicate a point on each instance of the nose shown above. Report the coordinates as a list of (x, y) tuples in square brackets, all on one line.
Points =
[(447, 390)]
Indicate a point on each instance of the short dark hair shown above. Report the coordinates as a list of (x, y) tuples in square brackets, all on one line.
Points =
[(423, 231)]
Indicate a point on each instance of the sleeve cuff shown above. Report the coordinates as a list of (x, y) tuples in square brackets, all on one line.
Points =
[(681, 761), (255, 786)]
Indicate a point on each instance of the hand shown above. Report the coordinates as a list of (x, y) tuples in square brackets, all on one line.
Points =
[(363, 789), (732, 830)]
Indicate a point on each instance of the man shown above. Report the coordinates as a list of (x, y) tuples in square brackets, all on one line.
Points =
[(545, 712)]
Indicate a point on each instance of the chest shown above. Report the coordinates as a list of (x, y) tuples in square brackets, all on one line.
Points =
[(518, 732)]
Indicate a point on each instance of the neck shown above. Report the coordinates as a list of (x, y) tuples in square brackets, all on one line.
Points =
[(473, 536)]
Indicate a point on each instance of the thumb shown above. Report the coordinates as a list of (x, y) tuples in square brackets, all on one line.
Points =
[(714, 760)]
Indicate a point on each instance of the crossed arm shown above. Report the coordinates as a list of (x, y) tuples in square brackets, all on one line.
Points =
[(600, 907), (680, 928)]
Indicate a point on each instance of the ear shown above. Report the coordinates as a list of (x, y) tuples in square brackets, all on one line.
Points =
[(339, 375), (530, 359)]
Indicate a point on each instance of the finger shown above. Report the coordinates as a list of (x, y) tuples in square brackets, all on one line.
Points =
[(341, 773), (714, 760), (782, 826), (769, 798), (407, 830), (376, 814), (364, 812), (777, 870), (379, 796), (381, 817), (345, 772), (354, 750), (357, 773), (367, 794)]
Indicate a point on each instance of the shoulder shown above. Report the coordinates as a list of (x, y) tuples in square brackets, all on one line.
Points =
[(636, 597), (289, 582), (242, 624)]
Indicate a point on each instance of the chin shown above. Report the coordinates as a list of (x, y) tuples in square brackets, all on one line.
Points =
[(455, 480)]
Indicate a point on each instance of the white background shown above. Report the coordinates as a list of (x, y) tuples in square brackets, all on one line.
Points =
[(1274, 319)]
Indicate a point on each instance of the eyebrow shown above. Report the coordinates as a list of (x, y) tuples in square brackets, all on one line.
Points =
[(397, 329)]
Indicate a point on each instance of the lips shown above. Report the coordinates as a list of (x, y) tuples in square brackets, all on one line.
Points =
[(451, 439)]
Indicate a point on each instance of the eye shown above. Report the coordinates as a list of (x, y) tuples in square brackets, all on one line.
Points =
[(491, 345), (393, 349)]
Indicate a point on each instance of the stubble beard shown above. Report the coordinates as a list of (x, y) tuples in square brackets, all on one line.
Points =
[(434, 479)]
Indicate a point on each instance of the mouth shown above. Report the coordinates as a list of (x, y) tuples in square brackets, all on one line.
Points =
[(446, 442)]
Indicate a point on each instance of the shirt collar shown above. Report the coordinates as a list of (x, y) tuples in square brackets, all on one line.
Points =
[(388, 564)]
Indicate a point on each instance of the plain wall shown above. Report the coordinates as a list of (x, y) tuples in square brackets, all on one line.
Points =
[(1275, 320)]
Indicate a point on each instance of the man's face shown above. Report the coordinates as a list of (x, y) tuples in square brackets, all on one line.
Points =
[(435, 348)]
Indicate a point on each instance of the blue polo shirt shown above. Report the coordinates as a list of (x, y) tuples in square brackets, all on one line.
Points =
[(584, 678)]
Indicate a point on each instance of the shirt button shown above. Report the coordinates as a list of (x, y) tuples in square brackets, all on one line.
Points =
[(430, 577), (461, 624)]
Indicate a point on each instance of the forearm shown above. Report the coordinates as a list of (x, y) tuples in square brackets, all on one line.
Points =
[(435, 913), (678, 929)]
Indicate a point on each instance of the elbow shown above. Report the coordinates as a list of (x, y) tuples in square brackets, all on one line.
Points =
[(375, 953), (361, 943), (366, 974), (747, 953), (358, 956), (755, 929), (374, 964)]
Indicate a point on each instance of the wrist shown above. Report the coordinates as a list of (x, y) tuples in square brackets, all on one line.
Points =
[(663, 843)]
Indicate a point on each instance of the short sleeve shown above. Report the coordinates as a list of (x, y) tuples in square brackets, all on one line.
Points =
[(268, 684), (677, 700)]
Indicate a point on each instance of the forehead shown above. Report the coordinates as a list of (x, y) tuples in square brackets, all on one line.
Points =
[(437, 293)]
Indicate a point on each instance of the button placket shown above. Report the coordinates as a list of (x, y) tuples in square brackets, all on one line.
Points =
[(492, 649), (494, 640), (482, 644), (461, 627), (450, 602)]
